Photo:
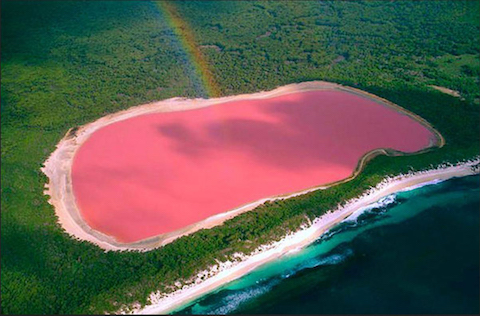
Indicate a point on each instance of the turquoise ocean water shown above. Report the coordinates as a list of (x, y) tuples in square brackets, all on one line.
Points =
[(413, 252)]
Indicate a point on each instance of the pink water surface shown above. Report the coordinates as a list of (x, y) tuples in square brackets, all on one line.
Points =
[(157, 173)]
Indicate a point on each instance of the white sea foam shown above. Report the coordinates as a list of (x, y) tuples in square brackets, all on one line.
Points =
[(417, 186), (380, 204), (232, 301), (332, 259), (389, 199)]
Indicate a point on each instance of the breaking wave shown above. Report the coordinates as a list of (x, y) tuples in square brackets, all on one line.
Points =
[(413, 187), (231, 300), (379, 205)]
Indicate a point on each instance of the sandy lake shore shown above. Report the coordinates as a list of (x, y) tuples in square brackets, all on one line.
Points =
[(225, 272), (59, 165)]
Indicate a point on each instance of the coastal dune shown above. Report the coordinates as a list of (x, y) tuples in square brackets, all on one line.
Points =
[(117, 182)]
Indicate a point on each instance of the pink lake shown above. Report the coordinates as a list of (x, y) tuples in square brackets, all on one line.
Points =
[(157, 173)]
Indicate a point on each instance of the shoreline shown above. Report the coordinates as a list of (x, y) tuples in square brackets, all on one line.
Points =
[(58, 166), (228, 271)]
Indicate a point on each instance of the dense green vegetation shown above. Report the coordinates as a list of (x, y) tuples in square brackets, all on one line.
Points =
[(64, 64), (270, 43)]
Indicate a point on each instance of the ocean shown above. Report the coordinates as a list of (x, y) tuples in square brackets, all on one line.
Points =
[(414, 251)]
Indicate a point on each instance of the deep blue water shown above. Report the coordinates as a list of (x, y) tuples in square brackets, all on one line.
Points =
[(415, 252)]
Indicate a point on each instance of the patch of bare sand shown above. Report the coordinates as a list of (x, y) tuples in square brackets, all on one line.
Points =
[(447, 91)]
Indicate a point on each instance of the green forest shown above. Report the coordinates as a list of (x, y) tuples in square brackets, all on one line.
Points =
[(66, 63)]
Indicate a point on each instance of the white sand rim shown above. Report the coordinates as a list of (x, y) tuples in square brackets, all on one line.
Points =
[(58, 166)]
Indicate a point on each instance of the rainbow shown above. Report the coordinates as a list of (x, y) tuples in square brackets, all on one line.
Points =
[(187, 39)]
